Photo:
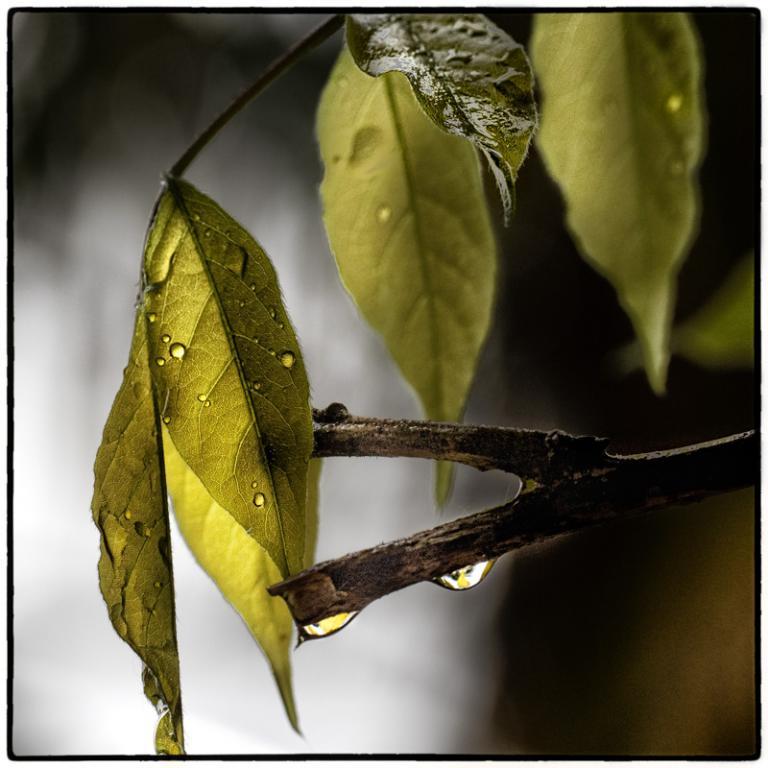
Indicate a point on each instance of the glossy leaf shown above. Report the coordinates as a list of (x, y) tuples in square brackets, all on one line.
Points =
[(228, 371), (408, 224), (622, 133), (135, 568), (239, 566), (470, 77), (722, 333)]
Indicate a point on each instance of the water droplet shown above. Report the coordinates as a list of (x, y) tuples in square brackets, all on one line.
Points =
[(271, 351), (256, 385), (207, 233), (383, 214), (364, 144), (467, 577), (128, 514), (255, 484), (165, 338), (287, 358), (280, 325), (160, 360), (259, 500), (177, 350), (158, 585), (326, 627), (207, 404), (166, 419), (272, 312), (241, 304), (142, 530), (674, 102), (202, 398), (253, 286), (151, 316)]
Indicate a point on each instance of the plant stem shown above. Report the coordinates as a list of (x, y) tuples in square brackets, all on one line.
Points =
[(617, 487), (285, 62)]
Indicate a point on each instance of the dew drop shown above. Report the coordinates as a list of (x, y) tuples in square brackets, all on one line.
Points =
[(383, 214), (253, 286), (259, 500), (272, 312), (287, 359), (142, 529), (128, 514), (160, 361), (166, 419), (165, 338), (158, 585), (241, 304), (177, 350), (202, 398), (674, 102), (207, 404), (207, 232), (326, 627), (151, 316), (467, 577), (255, 484)]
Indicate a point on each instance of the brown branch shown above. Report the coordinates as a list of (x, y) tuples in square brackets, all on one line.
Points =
[(615, 488), (546, 457)]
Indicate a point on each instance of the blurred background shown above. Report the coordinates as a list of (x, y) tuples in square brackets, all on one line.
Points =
[(633, 639)]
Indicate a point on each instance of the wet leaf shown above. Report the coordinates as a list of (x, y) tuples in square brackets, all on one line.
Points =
[(470, 77), (313, 509), (135, 569), (722, 333), (228, 371), (408, 224), (239, 566), (622, 133)]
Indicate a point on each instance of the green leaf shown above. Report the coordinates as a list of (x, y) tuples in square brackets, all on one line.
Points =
[(135, 569), (228, 371), (313, 506), (470, 77), (722, 333), (408, 224), (622, 133), (239, 566)]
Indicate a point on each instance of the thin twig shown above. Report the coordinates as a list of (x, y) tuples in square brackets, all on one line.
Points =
[(545, 457), (285, 62), (618, 488)]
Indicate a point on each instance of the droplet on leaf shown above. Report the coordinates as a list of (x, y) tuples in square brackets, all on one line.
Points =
[(287, 359), (202, 398), (165, 338), (674, 102), (177, 350), (166, 419), (259, 500), (160, 361), (151, 316)]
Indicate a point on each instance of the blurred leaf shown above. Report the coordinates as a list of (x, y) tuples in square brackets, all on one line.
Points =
[(228, 371), (470, 77), (239, 566), (135, 568), (408, 224), (622, 133), (722, 333)]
